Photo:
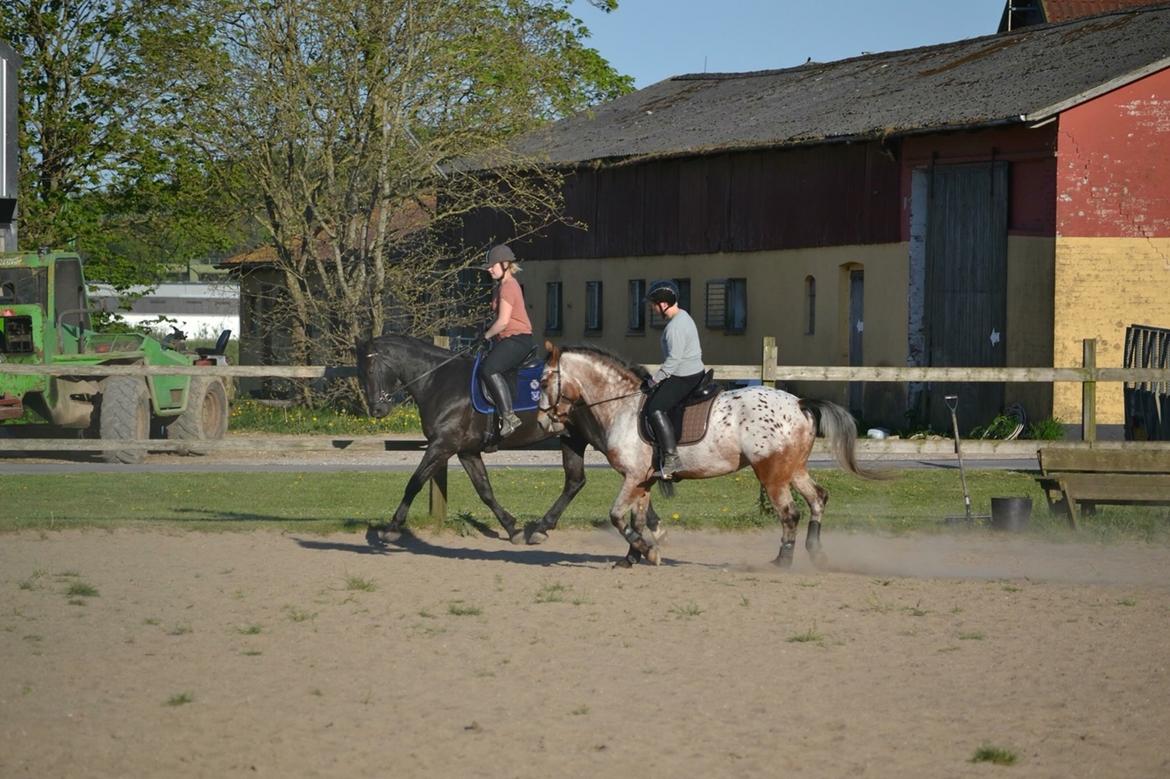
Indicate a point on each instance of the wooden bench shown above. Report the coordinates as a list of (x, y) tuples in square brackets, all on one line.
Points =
[(1075, 478)]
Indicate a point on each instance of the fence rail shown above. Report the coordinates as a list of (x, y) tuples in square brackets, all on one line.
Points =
[(768, 371)]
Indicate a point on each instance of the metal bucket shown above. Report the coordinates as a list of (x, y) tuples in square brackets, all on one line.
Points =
[(1010, 513)]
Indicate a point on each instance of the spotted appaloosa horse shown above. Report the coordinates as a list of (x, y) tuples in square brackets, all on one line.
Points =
[(766, 428)]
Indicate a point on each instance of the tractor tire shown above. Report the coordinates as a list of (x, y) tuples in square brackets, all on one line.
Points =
[(206, 416), (124, 414)]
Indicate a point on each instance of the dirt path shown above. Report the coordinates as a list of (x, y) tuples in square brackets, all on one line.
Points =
[(267, 654)]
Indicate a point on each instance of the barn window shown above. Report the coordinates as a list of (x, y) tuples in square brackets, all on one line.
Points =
[(592, 306), (636, 321), (727, 305), (552, 308), (810, 305), (684, 302)]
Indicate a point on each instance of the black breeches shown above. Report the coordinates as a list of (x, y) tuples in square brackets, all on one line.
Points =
[(506, 355), (671, 392)]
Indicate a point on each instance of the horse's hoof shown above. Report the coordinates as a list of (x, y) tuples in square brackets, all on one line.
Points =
[(653, 556), (537, 537), (374, 536), (623, 563), (820, 560), (516, 537), (381, 537)]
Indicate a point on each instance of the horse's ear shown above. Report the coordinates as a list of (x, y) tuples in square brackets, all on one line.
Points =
[(554, 354)]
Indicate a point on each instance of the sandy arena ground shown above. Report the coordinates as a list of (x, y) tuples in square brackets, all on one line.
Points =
[(277, 655)]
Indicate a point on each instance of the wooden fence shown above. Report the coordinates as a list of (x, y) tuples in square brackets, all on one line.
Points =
[(768, 371)]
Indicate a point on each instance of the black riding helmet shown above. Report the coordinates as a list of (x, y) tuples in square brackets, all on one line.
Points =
[(663, 291)]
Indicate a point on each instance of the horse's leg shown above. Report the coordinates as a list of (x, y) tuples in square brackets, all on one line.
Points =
[(775, 475), (642, 525), (477, 471), (573, 461), (816, 496), (432, 459), (628, 500)]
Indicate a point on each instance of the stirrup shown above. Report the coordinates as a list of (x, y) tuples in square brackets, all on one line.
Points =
[(667, 466), (509, 423)]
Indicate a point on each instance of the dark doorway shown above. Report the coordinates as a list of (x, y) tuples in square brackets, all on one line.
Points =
[(966, 286), (856, 336)]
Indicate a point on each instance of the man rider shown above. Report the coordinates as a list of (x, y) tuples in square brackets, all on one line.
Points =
[(678, 375)]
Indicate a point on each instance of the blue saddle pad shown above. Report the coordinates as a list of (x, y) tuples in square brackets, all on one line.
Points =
[(525, 395)]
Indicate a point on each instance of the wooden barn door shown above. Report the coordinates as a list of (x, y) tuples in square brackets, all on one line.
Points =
[(966, 286)]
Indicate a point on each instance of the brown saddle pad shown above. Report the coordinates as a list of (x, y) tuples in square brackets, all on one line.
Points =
[(694, 422)]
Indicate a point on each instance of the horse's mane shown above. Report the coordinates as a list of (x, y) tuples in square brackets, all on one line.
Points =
[(601, 352), (409, 341)]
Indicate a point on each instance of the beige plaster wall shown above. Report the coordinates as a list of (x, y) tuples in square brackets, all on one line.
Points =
[(776, 304)]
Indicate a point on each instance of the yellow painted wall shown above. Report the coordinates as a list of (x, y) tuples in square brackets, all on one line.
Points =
[(1104, 285), (776, 291)]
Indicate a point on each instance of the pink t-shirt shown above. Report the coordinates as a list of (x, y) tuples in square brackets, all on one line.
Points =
[(518, 324)]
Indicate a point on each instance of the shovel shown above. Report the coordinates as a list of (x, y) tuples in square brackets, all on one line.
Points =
[(968, 518)]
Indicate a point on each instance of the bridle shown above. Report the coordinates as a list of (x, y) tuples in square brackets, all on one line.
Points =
[(386, 395), (563, 417)]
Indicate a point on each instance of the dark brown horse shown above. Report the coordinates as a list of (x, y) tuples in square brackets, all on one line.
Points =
[(768, 429), (439, 381)]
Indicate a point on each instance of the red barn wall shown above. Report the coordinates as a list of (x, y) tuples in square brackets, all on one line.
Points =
[(1113, 230)]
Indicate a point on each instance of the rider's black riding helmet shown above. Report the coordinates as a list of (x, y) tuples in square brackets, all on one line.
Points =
[(663, 291)]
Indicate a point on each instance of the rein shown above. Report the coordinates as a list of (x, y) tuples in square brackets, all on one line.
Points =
[(381, 359), (551, 410)]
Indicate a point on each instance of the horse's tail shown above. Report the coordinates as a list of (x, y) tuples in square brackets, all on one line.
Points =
[(840, 430)]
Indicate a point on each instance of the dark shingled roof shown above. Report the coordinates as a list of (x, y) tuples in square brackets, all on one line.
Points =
[(1015, 77)]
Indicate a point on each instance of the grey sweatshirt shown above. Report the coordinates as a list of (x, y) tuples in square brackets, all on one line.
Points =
[(681, 353)]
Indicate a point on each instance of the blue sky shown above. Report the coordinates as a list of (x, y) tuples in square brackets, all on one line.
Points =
[(655, 39)]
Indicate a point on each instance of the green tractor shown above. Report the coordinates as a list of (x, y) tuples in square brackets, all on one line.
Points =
[(45, 320)]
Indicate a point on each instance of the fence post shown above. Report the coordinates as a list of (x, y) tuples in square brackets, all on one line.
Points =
[(1089, 392), (768, 362), (438, 486)]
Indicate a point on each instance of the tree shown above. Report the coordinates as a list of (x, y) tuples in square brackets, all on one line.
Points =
[(351, 118), (101, 172)]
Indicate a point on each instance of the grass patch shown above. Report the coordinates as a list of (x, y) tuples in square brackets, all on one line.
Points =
[(810, 636), (461, 609), (972, 635), (81, 590), (988, 753), (360, 584), (180, 699), (296, 614), (251, 416), (686, 610), (551, 593), (914, 501), (249, 630)]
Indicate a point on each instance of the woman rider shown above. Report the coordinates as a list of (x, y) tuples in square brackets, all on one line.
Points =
[(681, 370), (512, 333)]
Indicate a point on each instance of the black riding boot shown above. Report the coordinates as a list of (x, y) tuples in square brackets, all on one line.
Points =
[(502, 399), (667, 445)]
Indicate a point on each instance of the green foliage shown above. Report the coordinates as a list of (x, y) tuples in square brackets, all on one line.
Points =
[(1001, 427), (988, 753), (101, 171), (255, 417), (1046, 430)]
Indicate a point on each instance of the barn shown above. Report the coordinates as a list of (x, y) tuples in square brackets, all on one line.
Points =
[(988, 202)]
